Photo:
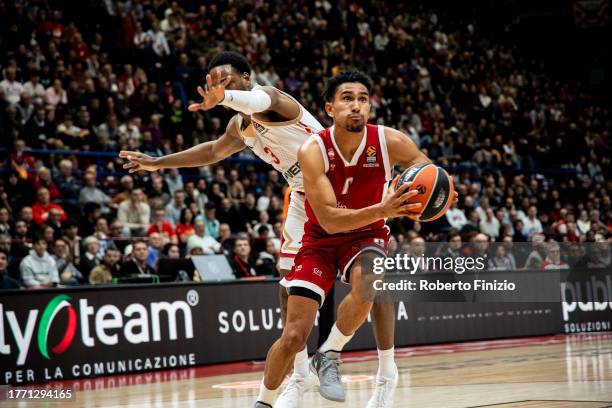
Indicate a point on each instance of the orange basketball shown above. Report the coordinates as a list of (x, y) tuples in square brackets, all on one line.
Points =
[(435, 187)]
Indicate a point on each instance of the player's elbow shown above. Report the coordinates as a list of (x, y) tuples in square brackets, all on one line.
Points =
[(328, 228), (329, 225), (213, 157)]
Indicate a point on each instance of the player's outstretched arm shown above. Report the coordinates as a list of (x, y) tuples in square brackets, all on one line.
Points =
[(261, 100), (322, 199), (200, 155)]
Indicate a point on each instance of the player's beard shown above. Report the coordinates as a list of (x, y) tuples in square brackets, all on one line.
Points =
[(355, 128)]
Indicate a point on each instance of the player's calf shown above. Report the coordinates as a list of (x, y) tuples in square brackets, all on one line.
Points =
[(301, 314)]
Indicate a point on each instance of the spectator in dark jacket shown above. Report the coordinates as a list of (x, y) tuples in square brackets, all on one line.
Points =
[(6, 282), (89, 256), (68, 185), (242, 262), (137, 265), (112, 261)]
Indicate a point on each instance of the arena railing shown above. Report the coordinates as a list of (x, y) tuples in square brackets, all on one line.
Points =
[(105, 156)]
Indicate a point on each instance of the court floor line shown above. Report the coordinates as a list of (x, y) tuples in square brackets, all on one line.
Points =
[(540, 400), (496, 405), (508, 382)]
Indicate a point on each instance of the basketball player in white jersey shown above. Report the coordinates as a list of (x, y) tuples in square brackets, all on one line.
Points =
[(274, 125)]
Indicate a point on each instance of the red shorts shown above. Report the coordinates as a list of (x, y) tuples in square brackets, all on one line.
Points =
[(318, 261)]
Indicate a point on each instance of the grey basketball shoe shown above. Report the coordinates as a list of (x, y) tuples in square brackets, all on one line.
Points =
[(325, 365)]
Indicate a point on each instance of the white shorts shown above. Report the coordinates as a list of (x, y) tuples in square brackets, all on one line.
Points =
[(293, 230)]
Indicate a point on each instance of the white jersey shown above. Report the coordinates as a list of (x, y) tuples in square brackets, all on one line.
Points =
[(278, 143)]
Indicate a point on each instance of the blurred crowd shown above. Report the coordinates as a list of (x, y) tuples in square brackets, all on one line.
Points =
[(530, 154)]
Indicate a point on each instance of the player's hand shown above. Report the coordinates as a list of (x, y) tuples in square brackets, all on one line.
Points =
[(213, 95), (138, 161), (396, 202)]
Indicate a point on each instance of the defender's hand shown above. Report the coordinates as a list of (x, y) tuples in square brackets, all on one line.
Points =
[(138, 161), (213, 95)]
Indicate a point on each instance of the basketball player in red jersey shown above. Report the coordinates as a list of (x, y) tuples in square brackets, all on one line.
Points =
[(274, 126), (346, 169)]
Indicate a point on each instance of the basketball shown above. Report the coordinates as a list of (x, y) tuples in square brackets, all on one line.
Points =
[(435, 187)]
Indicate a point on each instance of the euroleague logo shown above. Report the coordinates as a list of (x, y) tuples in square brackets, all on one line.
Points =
[(421, 189), (371, 154), (55, 306)]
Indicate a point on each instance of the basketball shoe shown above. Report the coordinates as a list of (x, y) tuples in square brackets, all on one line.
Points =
[(383, 393), (291, 397), (325, 365)]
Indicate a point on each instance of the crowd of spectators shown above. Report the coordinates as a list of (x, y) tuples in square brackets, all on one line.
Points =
[(530, 154)]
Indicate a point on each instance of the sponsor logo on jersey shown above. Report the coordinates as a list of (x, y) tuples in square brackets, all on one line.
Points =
[(379, 242), (371, 154), (260, 129), (331, 154), (292, 171)]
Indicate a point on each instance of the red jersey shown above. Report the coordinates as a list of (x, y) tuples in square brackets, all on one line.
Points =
[(358, 183)]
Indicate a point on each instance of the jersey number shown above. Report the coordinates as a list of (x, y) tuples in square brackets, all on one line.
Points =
[(347, 184), (274, 158)]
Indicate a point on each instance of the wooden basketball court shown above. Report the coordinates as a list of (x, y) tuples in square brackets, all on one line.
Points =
[(556, 371)]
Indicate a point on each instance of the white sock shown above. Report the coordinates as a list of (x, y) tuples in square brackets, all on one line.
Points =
[(265, 395), (335, 341), (300, 364), (386, 363)]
